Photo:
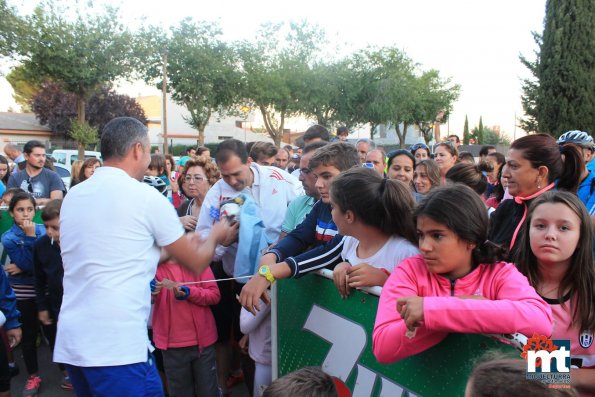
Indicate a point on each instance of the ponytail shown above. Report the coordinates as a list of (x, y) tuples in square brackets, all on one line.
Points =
[(383, 203), (574, 166), (397, 203), (489, 252), (472, 175)]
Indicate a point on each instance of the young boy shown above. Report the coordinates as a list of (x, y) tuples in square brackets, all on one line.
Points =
[(317, 230), (49, 272)]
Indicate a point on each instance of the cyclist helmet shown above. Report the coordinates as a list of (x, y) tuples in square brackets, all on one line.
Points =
[(157, 183), (577, 137)]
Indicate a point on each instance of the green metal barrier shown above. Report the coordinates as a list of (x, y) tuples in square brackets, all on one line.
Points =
[(316, 327)]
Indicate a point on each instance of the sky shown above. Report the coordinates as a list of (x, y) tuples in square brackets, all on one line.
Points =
[(475, 43)]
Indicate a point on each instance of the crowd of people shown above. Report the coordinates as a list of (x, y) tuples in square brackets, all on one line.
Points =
[(183, 262)]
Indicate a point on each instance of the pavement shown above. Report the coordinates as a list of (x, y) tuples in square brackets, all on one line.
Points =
[(52, 377)]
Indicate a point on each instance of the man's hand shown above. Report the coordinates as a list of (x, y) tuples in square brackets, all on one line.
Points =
[(411, 309), (14, 337), (364, 275), (341, 278), (44, 317), (225, 233), (253, 291), (189, 222)]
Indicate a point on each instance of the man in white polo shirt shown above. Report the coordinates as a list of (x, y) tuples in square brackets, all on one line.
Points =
[(111, 229)]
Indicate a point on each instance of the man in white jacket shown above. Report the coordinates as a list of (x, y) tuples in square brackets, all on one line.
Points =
[(272, 189)]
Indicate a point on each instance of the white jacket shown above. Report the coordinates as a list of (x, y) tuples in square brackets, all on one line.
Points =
[(273, 189)]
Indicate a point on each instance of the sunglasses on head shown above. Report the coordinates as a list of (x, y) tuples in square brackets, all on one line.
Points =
[(413, 148)]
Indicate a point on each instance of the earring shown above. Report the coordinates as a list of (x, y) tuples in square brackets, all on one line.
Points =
[(539, 183)]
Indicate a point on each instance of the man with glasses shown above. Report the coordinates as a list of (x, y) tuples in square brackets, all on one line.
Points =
[(301, 206), (40, 182)]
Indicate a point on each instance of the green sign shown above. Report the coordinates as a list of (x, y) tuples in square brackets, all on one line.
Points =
[(315, 327)]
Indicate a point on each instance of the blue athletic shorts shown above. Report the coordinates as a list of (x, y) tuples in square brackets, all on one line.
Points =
[(141, 379)]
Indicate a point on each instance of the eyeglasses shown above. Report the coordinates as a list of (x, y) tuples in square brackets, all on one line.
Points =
[(29, 185), (305, 171), (195, 178), (413, 148)]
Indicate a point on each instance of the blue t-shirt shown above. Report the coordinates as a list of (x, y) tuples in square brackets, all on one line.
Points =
[(586, 192)]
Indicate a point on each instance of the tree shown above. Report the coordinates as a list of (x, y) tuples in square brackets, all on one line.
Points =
[(433, 99), (480, 132), (272, 68), (561, 97), (466, 134), (56, 108), (10, 26), (24, 88), (82, 55), (200, 70), (530, 88)]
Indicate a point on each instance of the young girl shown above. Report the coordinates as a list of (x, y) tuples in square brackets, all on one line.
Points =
[(18, 242), (184, 330), (446, 156), (257, 331), (424, 298), (426, 176), (375, 216), (556, 257)]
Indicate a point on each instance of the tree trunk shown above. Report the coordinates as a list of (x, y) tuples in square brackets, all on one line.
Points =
[(201, 136), (80, 116)]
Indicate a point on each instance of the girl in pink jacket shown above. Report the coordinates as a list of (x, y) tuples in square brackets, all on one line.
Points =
[(184, 329), (455, 285)]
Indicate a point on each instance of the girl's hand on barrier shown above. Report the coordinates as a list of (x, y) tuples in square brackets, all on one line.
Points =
[(411, 309), (341, 279), (252, 292), (364, 275)]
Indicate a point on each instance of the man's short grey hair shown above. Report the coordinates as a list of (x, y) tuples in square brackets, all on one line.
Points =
[(119, 135), (371, 143)]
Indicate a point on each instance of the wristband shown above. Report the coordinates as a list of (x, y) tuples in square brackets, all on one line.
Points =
[(385, 271)]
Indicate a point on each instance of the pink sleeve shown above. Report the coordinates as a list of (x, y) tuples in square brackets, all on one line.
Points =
[(204, 294), (389, 340), (514, 307)]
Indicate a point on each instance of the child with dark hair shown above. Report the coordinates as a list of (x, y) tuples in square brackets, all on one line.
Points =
[(427, 296), (305, 382), (505, 377), (49, 272), (374, 215), (556, 256), (18, 242)]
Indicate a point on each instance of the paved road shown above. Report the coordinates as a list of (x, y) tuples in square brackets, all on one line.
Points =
[(52, 377)]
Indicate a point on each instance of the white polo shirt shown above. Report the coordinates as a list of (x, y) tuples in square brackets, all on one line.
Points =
[(111, 228)]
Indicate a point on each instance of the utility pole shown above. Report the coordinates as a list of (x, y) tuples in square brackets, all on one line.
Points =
[(164, 105)]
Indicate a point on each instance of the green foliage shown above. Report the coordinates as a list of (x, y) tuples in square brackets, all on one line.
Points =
[(24, 88), (561, 96), (200, 70), (83, 133), (466, 134), (10, 28), (275, 71), (480, 132)]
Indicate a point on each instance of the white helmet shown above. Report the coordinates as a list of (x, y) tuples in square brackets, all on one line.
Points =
[(577, 137), (157, 183)]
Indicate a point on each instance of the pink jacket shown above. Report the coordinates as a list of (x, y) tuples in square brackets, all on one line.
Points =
[(183, 323), (511, 305)]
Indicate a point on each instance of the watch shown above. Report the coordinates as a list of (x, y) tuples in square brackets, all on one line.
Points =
[(265, 272)]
